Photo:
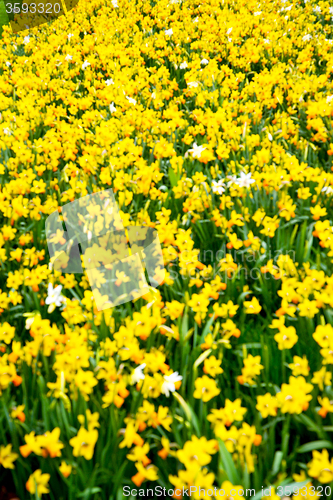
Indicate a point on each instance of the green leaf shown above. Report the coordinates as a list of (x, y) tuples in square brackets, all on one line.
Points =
[(3, 15), (201, 358), (315, 445), (174, 178), (88, 491), (276, 463), (310, 425), (251, 345), (228, 464), (242, 297), (184, 324), (300, 244), (190, 415), (207, 327)]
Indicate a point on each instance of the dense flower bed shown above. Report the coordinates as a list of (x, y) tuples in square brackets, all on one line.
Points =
[(213, 123)]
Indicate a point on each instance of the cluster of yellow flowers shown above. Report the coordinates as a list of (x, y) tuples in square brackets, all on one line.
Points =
[(213, 124)]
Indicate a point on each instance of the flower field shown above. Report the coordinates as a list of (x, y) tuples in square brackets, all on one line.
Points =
[(212, 122)]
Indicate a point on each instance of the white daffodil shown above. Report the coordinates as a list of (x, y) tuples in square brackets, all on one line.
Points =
[(232, 179), (113, 108), (204, 61), (169, 383), (327, 190), (195, 151), (26, 40), (192, 84), (138, 374), (245, 180), (183, 65), (218, 187), (31, 316), (68, 57), (306, 38), (168, 32), (85, 64), (54, 298), (109, 82), (132, 101)]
